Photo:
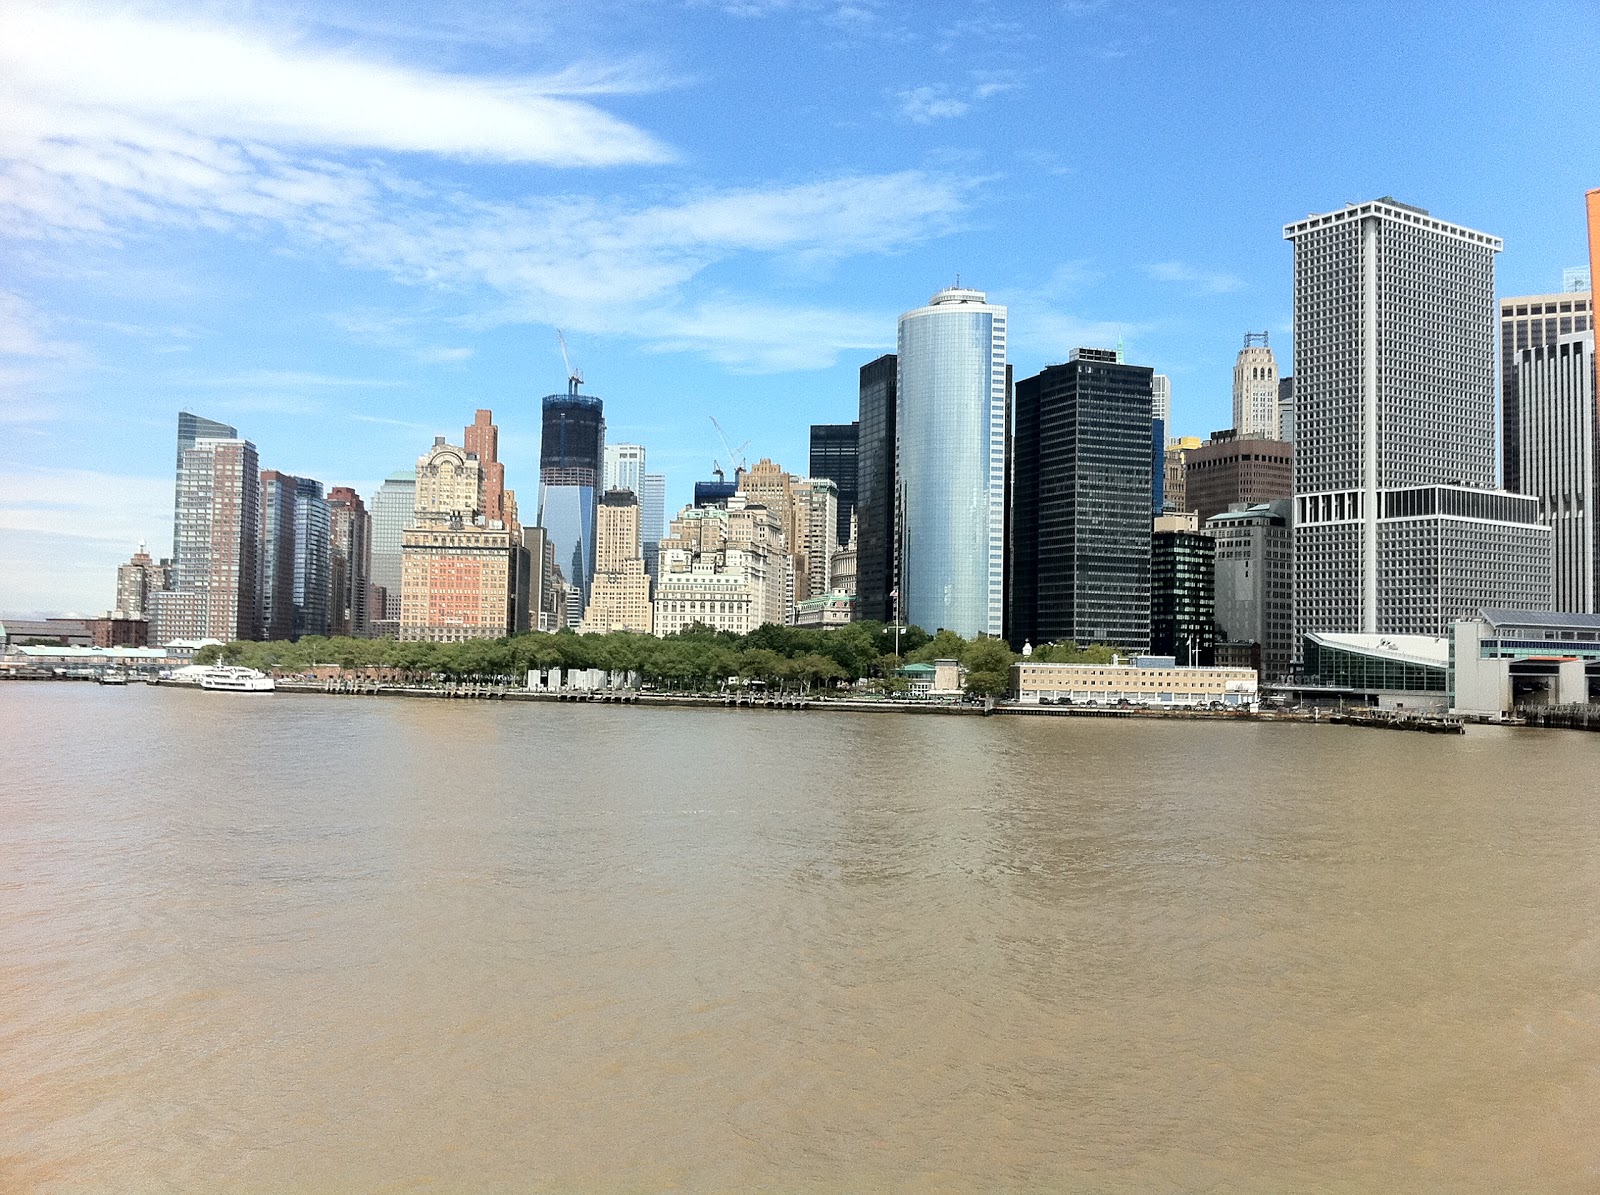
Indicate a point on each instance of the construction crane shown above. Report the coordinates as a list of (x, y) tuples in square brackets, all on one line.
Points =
[(736, 456), (574, 377)]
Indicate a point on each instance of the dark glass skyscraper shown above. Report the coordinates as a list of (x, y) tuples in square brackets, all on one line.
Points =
[(1182, 593), (571, 456), (834, 448), (1081, 500), (875, 490)]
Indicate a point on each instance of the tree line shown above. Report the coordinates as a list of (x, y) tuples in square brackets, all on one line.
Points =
[(696, 659)]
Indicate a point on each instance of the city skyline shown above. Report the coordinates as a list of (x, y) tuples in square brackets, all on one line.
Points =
[(260, 274)]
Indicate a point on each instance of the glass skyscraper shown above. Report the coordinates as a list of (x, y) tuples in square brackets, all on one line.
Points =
[(192, 427), (834, 451), (571, 456), (653, 520), (951, 463), (313, 564), (392, 509), (876, 517)]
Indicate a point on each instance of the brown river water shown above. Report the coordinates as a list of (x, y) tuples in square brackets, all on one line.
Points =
[(298, 943)]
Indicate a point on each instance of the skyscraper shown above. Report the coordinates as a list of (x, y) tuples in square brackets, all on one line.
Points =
[(136, 581), (571, 455), (653, 520), (215, 593), (1182, 590), (1161, 400), (1255, 388), (193, 427), (350, 538), (1254, 585), (1231, 468), (877, 512), (482, 439), (951, 462), (392, 508), (313, 559), (834, 449), (1531, 322), (1401, 532), (277, 554), (1286, 409), (1081, 498), (1554, 455), (620, 598), (624, 468)]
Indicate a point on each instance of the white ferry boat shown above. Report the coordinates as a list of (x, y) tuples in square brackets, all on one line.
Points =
[(224, 678)]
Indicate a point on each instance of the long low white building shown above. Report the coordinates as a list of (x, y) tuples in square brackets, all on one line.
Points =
[(1142, 681)]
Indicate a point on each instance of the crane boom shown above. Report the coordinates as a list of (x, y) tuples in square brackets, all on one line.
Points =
[(574, 377), (736, 456)]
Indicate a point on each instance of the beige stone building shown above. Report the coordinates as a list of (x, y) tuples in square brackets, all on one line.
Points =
[(619, 598), (725, 567), (816, 501), (464, 574)]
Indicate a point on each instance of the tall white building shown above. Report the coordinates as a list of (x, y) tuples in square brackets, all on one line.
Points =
[(1161, 401), (950, 463), (624, 468), (653, 519), (1554, 454), (1398, 529), (1255, 388)]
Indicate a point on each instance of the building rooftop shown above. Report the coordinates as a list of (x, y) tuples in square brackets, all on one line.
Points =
[(1390, 209), (1428, 650), (1541, 618)]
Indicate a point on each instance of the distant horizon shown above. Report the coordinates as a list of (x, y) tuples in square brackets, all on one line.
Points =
[(342, 232)]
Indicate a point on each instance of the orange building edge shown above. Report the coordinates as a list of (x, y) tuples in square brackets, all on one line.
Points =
[(1593, 198)]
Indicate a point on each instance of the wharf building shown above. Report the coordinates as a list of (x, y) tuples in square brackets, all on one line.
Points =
[(723, 567), (1531, 322), (1233, 467), (1081, 498), (1253, 596), (1255, 389), (1182, 589), (1398, 526), (620, 596), (1554, 455), (877, 511), (215, 590), (835, 450), (1157, 681), (464, 575), (953, 393), (571, 458)]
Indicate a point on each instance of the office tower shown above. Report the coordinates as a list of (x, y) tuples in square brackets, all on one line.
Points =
[(350, 537), (215, 590), (313, 559), (1161, 399), (1531, 322), (1554, 455), (571, 456), (1080, 528), (816, 520), (620, 596), (1182, 590), (1174, 487), (877, 511), (392, 508), (1394, 330), (951, 463), (547, 588), (834, 449), (1230, 468), (653, 519), (277, 554), (624, 467), (723, 567), (193, 427), (136, 581), (1255, 388), (463, 575), (482, 439), (1254, 587), (1286, 409), (767, 483)]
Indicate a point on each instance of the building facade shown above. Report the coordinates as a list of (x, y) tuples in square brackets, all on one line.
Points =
[(620, 597), (1182, 590), (277, 554), (1531, 322), (816, 502), (350, 544), (625, 467), (835, 448), (571, 456), (192, 427), (1175, 488), (1286, 409), (1254, 581), (653, 519), (722, 567), (877, 510), (1255, 388), (953, 430), (313, 560), (1081, 499), (137, 580), (1144, 681), (392, 506), (1398, 528), (216, 584), (1231, 468)]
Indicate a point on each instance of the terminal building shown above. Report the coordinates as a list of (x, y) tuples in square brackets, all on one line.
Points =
[(1143, 681)]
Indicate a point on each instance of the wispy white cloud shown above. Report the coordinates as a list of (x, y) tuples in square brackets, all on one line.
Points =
[(1209, 282), (111, 67), (923, 105), (83, 504)]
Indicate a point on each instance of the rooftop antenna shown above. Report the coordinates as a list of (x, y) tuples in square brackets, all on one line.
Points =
[(1119, 345), (574, 377)]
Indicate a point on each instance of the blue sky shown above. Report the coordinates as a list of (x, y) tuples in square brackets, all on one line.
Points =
[(344, 226)]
